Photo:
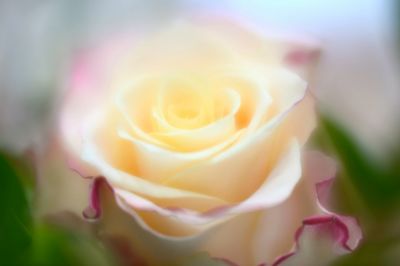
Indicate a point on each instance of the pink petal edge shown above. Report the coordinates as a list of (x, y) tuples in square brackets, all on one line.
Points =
[(94, 211), (344, 230)]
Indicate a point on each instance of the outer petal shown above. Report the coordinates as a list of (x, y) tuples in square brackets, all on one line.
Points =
[(117, 223), (298, 52), (137, 186), (322, 238), (85, 91), (158, 249), (287, 172), (276, 189), (56, 182), (257, 237), (242, 239)]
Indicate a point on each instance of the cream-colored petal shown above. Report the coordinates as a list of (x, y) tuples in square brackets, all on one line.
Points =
[(231, 239), (252, 86), (139, 186), (278, 185), (187, 216), (134, 102), (244, 166), (56, 182), (168, 162)]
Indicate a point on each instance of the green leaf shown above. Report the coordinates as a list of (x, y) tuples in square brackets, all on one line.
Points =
[(382, 252), (25, 240), (15, 219)]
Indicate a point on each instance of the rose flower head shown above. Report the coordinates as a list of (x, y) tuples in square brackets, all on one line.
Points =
[(196, 135)]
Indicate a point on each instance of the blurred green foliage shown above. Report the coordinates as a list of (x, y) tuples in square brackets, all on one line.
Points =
[(15, 219), (27, 240)]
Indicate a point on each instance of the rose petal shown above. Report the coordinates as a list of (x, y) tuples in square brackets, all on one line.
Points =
[(285, 176), (168, 162), (273, 234), (116, 223), (56, 182), (278, 185), (320, 240), (139, 186)]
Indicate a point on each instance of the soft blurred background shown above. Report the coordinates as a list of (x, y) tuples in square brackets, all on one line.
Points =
[(357, 84)]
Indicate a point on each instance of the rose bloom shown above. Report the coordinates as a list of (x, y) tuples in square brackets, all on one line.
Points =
[(190, 140)]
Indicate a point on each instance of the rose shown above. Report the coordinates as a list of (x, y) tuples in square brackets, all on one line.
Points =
[(198, 130)]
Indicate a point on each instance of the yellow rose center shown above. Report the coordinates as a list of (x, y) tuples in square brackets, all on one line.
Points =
[(184, 106), (185, 113)]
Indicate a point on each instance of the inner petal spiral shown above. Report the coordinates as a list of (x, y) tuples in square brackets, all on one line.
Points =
[(182, 114)]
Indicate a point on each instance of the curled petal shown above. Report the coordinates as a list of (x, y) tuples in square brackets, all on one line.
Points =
[(322, 238), (285, 176), (93, 211), (355, 235)]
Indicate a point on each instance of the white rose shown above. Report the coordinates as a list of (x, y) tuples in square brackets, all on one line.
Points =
[(198, 130)]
